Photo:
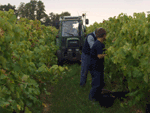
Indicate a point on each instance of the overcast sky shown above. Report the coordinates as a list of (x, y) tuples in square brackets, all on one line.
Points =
[(96, 10)]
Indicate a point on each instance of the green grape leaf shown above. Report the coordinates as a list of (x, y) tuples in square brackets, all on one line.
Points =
[(2, 76), (61, 69), (3, 61), (121, 104), (7, 38), (19, 107), (17, 95), (145, 77), (25, 77), (36, 91), (138, 97), (33, 82), (16, 68), (136, 72), (47, 93), (27, 110), (30, 90), (3, 104), (43, 68), (131, 85), (21, 103), (12, 88)]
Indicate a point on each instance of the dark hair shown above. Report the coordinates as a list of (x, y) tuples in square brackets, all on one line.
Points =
[(96, 30), (100, 32)]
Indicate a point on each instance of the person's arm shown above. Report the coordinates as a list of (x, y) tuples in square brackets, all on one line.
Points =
[(90, 40)]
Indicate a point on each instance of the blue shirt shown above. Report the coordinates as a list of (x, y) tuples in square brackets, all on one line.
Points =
[(96, 63), (90, 40)]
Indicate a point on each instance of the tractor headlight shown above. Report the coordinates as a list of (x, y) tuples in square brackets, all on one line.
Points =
[(77, 49), (69, 50)]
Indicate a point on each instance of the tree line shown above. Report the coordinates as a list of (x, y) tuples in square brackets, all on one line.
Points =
[(35, 10)]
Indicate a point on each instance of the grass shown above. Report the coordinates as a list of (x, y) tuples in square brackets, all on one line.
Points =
[(68, 97)]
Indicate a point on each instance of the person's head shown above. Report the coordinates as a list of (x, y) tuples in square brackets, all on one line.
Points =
[(96, 30), (101, 33)]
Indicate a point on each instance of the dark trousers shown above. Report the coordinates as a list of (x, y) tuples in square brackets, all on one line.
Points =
[(85, 59), (97, 85)]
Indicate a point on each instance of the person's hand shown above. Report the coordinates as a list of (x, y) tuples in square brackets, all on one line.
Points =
[(101, 55)]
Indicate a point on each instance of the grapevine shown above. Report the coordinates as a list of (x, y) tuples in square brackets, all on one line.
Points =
[(128, 52), (26, 47)]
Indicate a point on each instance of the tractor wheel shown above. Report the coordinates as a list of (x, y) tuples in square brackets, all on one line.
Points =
[(79, 62), (60, 62)]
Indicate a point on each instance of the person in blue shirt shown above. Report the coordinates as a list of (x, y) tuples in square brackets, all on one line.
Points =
[(85, 57), (96, 66)]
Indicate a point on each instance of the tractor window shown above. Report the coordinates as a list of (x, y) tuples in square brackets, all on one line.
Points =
[(70, 28)]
